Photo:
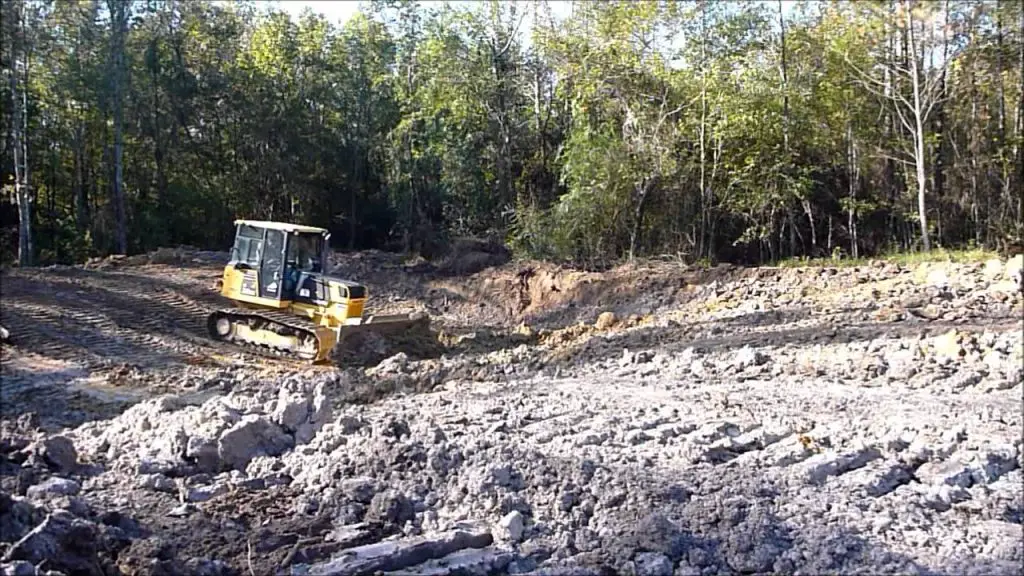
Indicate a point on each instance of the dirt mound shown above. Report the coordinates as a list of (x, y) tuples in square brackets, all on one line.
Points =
[(368, 348), (549, 295), (179, 256)]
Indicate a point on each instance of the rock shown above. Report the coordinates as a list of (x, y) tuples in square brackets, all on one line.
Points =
[(993, 269), (945, 472), (389, 508), (1014, 270), (204, 493), (252, 436), (605, 320), (292, 410), (361, 490), (469, 561), (937, 277), (656, 533), (66, 543), (820, 467), (510, 527), (320, 414), (393, 555), (947, 346), (18, 568), (652, 564), (157, 482), (58, 452), (747, 357), (54, 486), (203, 567)]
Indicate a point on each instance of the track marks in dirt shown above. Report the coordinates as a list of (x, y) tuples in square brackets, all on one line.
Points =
[(144, 319)]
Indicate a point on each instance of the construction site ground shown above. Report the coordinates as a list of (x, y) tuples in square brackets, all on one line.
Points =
[(651, 419)]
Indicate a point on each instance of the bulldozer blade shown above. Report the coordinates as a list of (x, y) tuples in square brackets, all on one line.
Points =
[(385, 324), (402, 332)]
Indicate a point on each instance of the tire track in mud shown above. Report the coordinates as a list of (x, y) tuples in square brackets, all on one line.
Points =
[(98, 318)]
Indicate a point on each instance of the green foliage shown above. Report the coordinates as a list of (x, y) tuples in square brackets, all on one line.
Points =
[(631, 128)]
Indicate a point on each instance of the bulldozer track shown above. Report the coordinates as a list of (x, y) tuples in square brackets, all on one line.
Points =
[(147, 316), (281, 318)]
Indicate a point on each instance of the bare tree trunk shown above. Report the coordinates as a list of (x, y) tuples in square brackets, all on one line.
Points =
[(854, 178), (705, 190), (119, 23), (939, 164), (973, 151), (19, 132), (919, 149), (1002, 138), (643, 191), (891, 128), (81, 204), (1020, 124), (783, 73)]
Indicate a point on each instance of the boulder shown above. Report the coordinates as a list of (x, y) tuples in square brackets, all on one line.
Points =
[(252, 436), (511, 527), (653, 564), (393, 555), (58, 452), (55, 486), (605, 320), (66, 543), (292, 410), (1014, 269)]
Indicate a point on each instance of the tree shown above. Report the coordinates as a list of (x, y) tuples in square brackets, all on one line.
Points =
[(17, 31), (119, 16), (925, 77)]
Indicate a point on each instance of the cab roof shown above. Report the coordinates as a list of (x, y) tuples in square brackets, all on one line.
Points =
[(285, 226)]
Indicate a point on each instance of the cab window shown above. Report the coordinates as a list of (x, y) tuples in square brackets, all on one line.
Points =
[(304, 252), (247, 246)]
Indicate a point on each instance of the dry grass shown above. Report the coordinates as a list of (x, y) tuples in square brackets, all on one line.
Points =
[(903, 258)]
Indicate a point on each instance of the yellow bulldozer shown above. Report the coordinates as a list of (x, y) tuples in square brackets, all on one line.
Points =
[(284, 300)]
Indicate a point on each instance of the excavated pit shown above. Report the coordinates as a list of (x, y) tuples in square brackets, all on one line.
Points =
[(647, 420)]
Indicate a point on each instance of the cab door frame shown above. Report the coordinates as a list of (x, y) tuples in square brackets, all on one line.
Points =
[(271, 276)]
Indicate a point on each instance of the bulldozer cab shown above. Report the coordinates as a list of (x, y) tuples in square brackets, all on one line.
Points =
[(274, 257)]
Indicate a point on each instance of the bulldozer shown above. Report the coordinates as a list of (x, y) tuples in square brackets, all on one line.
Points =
[(284, 302)]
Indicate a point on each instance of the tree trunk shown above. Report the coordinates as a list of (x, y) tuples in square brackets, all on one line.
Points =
[(1003, 137), (704, 246), (853, 175), (19, 133), (1020, 126), (643, 191), (919, 149), (119, 23), (891, 129), (784, 74), (81, 202)]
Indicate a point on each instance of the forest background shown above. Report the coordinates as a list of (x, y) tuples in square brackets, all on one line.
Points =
[(713, 131)]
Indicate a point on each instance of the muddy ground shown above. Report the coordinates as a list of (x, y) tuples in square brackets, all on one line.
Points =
[(652, 419)]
